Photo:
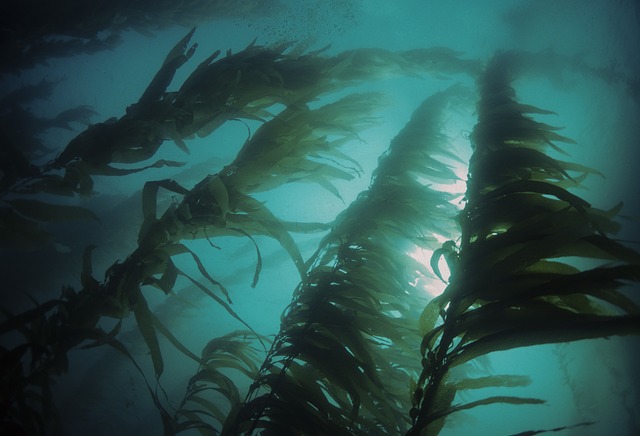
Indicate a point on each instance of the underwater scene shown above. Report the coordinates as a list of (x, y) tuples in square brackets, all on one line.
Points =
[(320, 217)]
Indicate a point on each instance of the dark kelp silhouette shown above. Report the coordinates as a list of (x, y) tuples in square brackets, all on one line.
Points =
[(243, 85), (509, 287), (213, 207), (347, 345), (219, 205)]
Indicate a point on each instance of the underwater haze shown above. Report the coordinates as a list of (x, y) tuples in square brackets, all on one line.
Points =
[(169, 213)]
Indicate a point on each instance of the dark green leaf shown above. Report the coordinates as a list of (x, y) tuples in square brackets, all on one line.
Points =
[(145, 321)]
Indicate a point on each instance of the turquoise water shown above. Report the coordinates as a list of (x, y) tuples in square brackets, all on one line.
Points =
[(586, 70)]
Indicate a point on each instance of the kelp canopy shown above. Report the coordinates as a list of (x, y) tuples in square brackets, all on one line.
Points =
[(412, 212)]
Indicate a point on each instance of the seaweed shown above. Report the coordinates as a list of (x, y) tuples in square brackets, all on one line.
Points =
[(244, 85), (347, 340), (358, 332), (220, 204), (509, 287)]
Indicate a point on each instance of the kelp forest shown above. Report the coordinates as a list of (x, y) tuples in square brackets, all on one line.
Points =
[(319, 218)]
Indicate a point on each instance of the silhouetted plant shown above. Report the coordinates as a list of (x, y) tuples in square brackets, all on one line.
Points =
[(510, 286)]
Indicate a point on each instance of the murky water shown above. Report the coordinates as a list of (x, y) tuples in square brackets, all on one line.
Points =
[(582, 63)]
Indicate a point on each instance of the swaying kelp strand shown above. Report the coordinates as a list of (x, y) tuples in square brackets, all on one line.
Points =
[(509, 287), (341, 361), (243, 85), (220, 204)]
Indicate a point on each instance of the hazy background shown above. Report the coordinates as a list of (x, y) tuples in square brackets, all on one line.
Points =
[(586, 381)]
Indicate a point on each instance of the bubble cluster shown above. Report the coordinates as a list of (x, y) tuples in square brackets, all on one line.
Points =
[(308, 23)]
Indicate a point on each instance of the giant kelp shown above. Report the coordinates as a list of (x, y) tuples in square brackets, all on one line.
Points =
[(245, 85), (510, 285), (349, 340), (219, 205), (345, 351)]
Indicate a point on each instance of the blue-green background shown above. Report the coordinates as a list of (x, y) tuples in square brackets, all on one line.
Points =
[(588, 381)]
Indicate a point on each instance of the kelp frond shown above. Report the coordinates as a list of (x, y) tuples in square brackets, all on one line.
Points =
[(511, 286), (219, 204), (343, 357), (248, 85), (212, 394)]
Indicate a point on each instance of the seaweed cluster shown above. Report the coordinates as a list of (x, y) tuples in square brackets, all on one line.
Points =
[(238, 86), (511, 285), (298, 144), (360, 348), (347, 343)]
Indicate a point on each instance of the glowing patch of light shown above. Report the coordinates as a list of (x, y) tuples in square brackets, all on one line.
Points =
[(457, 188), (431, 284)]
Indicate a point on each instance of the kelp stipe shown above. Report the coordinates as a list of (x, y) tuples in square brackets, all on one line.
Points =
[(212, 396), (219, 205), (239, 86), (510, 288), (346, 350), (246, 85)]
